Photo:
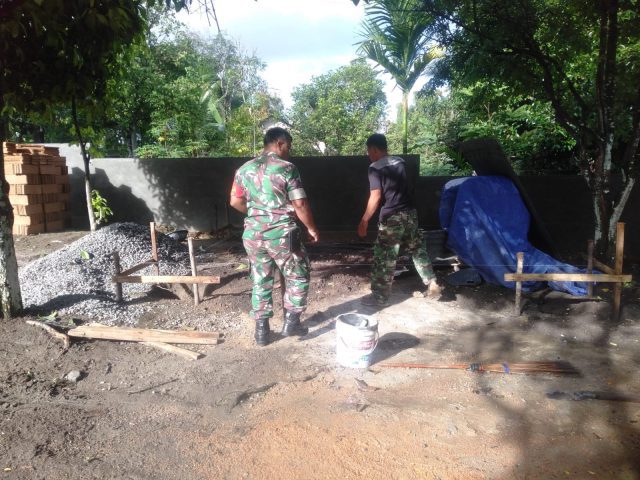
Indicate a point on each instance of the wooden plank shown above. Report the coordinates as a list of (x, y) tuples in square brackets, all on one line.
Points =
[(137, 268), (144, 335), (565, 277), (519, 267), (182, 352), (194, 272), (166, 279), (617, 288), (154, 246), (603, 267)]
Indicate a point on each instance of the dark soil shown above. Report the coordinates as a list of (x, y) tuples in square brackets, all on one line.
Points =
[(289, 411)]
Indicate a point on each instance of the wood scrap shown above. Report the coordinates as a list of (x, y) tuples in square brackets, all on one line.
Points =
[(165, 279), (182, 352), (53, 332), (144, 335)]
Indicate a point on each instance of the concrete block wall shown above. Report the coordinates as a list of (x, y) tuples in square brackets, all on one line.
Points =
[(193, 194)]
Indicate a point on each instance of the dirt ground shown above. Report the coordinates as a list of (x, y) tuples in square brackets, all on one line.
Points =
[(288, 411)]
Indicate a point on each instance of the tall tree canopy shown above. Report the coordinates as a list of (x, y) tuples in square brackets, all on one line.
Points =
[(336, 112), (581, 57), (397, 37), (52, 52)]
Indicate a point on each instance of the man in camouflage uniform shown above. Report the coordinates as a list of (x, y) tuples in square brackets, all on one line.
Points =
[(398, 223), (269, 190)]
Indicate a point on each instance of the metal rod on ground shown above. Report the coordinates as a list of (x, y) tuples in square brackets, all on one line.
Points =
[(555, 367), (617, 288), (520, 265), (118, 269), (154, 246), (194, 272), (590, 266)]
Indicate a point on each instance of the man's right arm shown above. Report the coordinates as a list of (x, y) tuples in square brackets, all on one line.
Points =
[(239, 204), (303, 211), (236, 199)]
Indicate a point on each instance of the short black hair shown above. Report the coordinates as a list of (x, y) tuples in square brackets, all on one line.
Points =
[(276, 133), (377, 140)]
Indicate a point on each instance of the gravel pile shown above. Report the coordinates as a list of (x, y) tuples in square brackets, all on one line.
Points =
[(76, 280)]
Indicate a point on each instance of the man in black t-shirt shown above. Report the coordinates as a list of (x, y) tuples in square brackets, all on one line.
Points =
[(398, 223)]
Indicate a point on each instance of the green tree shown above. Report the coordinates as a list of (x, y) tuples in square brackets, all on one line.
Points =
[(52, 52), (581, 58), (397, 38), (335, 113)]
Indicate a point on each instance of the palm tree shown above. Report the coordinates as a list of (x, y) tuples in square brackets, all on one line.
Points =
[(396, 37)]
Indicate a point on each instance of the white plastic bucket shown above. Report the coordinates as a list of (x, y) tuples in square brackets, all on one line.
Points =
[(356, 339)]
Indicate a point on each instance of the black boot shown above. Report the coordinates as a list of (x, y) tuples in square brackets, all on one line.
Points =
[(262, 331), (292, 325)]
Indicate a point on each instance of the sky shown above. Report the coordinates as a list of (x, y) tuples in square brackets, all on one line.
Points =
[(297, 39)]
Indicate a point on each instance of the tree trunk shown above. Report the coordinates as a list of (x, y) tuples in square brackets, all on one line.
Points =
[(405, 121), (133, 142), (10, 295), (605, 100), (85, 159)]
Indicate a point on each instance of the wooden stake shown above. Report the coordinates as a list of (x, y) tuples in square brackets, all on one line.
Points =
[(118, 269), (52, 331), (590, 266), (520, 265), (154, 246), (194, 272), (182, 352), (617, 288), (144, 335)]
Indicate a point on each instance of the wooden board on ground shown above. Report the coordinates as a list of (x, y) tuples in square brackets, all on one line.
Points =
[(144, 335), (165, 279)]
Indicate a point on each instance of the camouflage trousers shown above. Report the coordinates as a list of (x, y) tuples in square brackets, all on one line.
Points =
[(400, 230), (268, 256)]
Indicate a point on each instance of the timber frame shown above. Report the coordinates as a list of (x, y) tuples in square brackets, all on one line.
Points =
[(126, 276), (611, 275)]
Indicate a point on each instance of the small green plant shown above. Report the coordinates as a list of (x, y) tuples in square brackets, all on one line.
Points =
[(100, 207)]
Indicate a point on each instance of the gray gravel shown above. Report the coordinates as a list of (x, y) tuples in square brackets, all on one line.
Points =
[(76, 280)]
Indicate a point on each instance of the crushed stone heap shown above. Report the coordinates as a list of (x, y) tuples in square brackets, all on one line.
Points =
[(76, 280)]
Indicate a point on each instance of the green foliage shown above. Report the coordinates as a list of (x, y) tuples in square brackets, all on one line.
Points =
[(100, 207), (336, 112), (56, 50), (397, 38)]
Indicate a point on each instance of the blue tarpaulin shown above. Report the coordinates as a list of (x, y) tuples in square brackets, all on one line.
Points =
[(487, 224)]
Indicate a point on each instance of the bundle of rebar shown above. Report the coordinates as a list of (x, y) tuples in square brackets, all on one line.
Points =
[(551, 367)]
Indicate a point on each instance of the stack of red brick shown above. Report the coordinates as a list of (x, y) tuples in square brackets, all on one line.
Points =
[(38, 188)]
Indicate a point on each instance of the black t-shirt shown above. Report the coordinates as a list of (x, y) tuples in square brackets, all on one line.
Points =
[(390, 175)]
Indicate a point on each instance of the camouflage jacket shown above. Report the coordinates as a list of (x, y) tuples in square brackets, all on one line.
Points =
[(268, 184)]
